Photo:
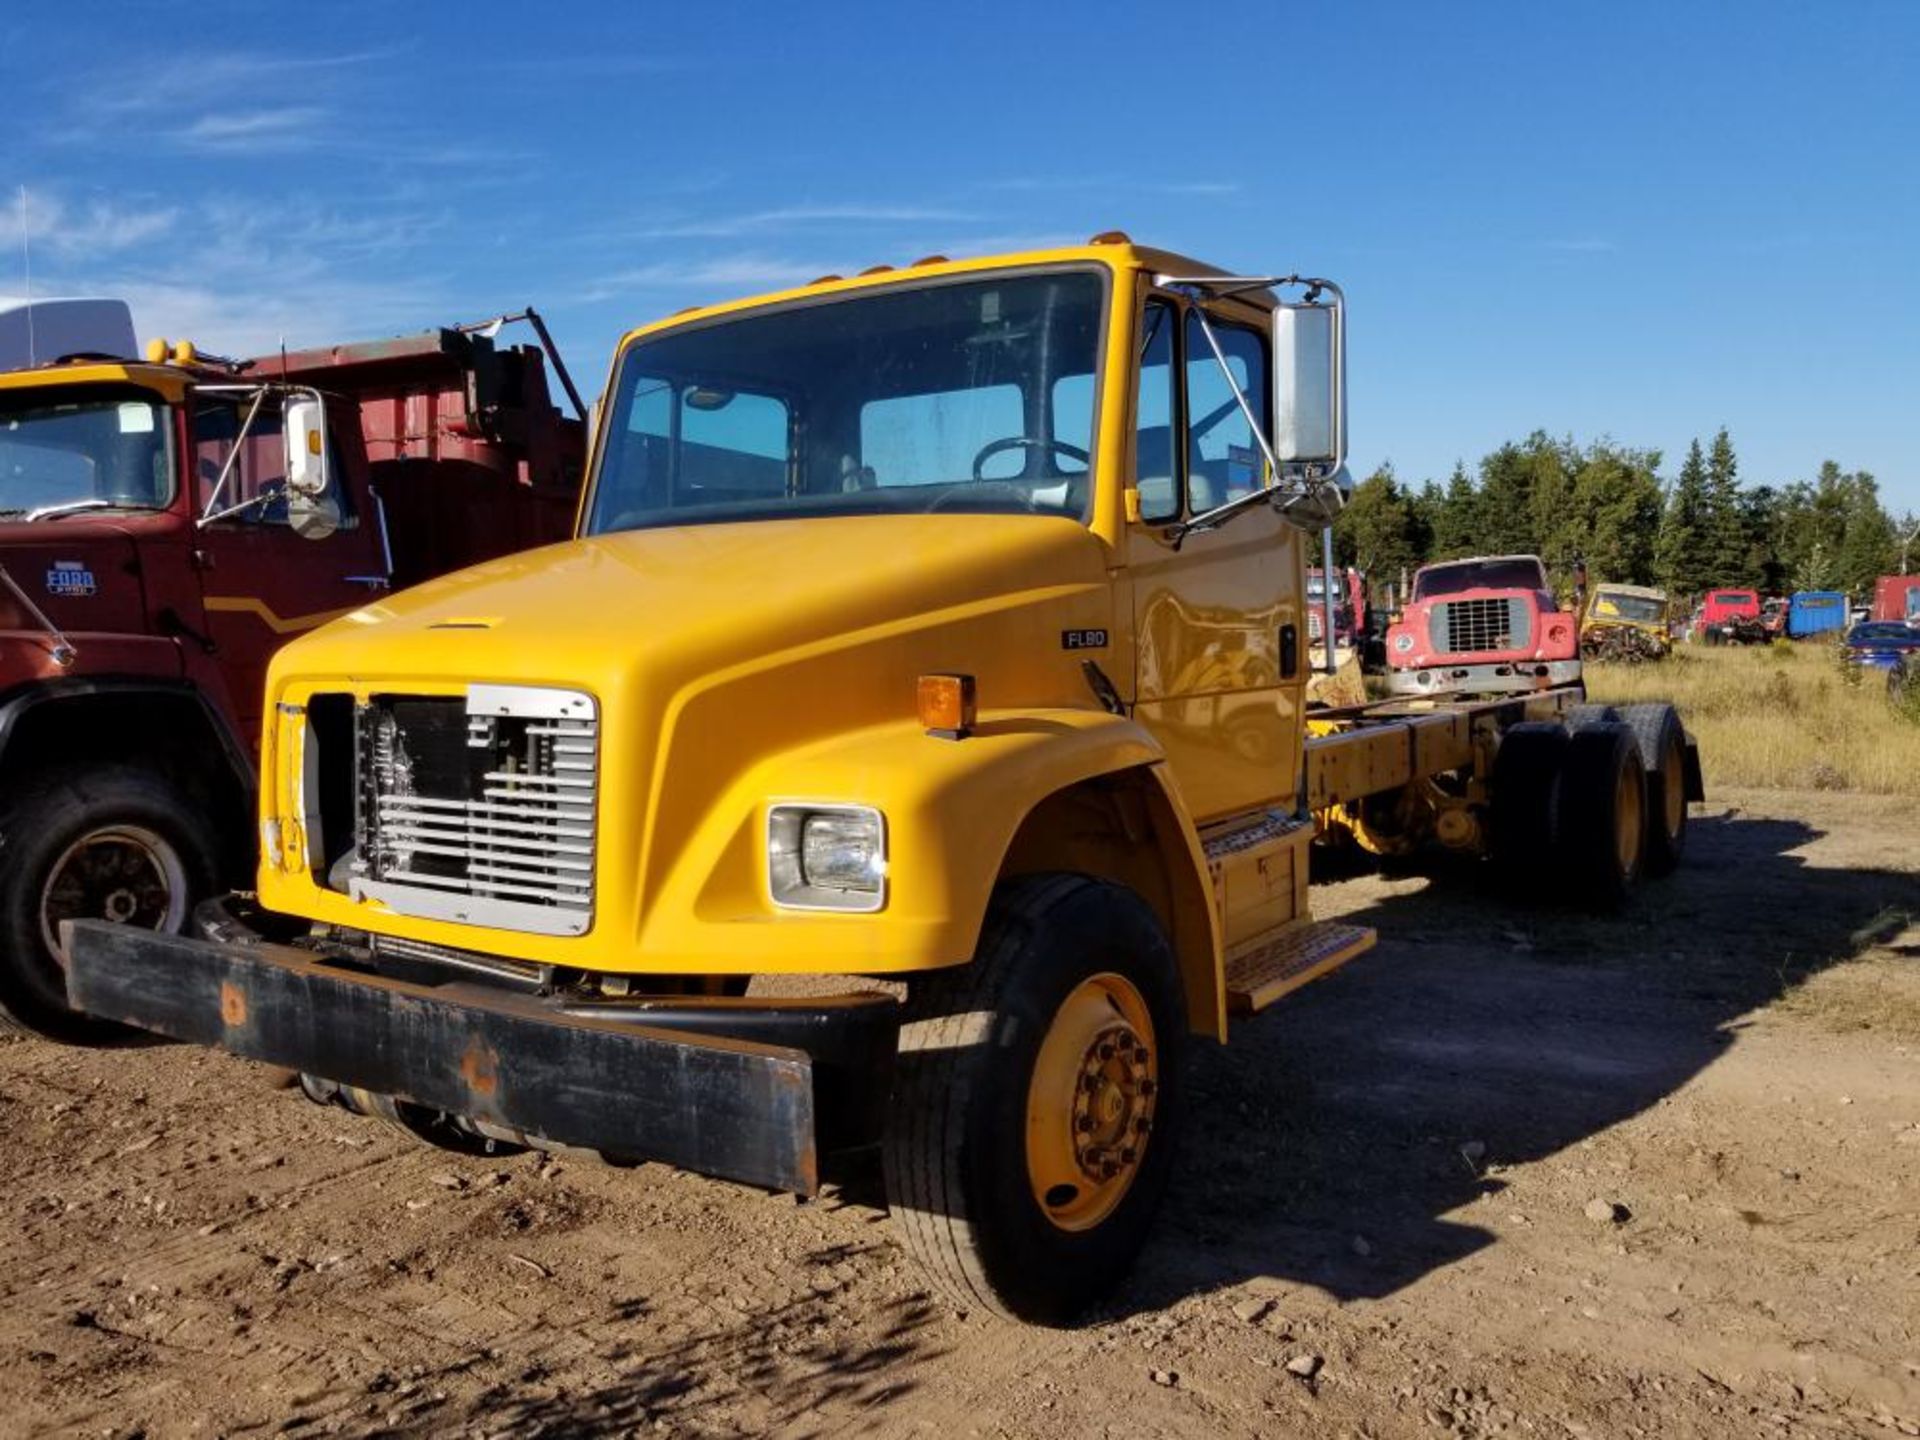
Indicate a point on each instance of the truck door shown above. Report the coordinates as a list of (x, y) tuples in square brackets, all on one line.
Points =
[(262, 583), (1222, 645)]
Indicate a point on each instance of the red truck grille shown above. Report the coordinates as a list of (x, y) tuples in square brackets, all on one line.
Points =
[(1464, 627)]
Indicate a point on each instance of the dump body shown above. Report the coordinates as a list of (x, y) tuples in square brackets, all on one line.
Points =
[(1816, 612)]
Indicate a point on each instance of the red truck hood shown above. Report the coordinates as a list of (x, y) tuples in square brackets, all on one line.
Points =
[(83, 574)]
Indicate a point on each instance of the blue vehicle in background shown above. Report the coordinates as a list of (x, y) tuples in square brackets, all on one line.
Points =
[(1816, 612), (1882, 644)]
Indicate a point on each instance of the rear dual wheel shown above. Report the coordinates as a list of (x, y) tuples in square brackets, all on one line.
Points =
[(1570, 811), (1030, 1135)]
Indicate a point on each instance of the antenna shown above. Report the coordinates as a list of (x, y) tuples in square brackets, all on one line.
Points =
[(26, 266)]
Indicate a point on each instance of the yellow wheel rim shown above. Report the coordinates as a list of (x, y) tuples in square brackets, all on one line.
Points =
[(1090, 1102), (1629, 819)]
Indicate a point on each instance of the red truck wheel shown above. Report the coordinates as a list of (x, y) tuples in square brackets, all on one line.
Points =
[(1031, 1129), (105, 843)]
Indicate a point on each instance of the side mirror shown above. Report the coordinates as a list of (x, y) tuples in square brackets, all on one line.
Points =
[(304, 424), (1310, 402)]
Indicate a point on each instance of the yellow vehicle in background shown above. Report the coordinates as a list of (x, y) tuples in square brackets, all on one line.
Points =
[(910, 752), (1623, 618)]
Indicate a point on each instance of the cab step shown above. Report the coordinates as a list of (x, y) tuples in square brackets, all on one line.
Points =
[(1283, 964)]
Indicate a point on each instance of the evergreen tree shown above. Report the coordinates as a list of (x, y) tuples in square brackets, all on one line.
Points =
[(1612, 517), (1378, 531), (1867, 545), (1456, 520), (1725, 546), (1682, 553)]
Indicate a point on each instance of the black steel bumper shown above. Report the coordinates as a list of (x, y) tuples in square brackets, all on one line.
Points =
[(731, 1088)]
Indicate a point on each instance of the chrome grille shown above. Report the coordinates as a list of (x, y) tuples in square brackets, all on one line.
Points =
[(480, 810), (1465, 627)]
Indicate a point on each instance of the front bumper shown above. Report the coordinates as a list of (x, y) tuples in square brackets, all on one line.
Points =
[(745, 1089), (1503, 677)]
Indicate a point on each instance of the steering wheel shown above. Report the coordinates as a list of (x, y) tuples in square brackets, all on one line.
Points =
[(1024, 442)]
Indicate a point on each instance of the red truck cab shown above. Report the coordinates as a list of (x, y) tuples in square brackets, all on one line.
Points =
[(164, 527), (1897, 597), (1488, 625), (1731, 615), (1349, 606)]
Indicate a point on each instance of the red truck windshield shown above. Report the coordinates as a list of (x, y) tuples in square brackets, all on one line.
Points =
[(96, 451), (1479, 575)]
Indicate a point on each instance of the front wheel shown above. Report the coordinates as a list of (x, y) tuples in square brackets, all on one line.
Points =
[(115, 843), (1031, 1130)]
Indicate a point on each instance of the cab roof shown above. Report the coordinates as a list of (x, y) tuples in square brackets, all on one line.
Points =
[(1118, 254), (165, 380)]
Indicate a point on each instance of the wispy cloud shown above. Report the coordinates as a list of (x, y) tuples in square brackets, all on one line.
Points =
[(286, 127), (743, 272), (851, 216), (92, 228), (305, 274), (1126, 184)]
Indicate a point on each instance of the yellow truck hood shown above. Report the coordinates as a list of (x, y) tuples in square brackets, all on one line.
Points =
[(713, 649), (590, 612)]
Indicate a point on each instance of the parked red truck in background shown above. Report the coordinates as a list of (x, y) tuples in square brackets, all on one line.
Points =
[(1484, 626), (1349, 607), (1897, 597), (164, 527), (1733, 617)]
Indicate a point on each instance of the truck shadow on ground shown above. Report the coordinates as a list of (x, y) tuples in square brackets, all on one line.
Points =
[(789, 1365), (1324, 1144)]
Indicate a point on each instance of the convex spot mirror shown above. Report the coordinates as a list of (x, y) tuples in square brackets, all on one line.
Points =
[(304, 424)]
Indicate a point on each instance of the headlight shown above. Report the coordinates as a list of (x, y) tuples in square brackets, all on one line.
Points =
[(827, 857), (1403, 643)]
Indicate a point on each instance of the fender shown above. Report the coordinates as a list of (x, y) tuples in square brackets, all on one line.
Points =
[(35, 698), (952, 809)]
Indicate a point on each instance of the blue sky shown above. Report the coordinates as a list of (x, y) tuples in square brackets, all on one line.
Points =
[(1630, 220)]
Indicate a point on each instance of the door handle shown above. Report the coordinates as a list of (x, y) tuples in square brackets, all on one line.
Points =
[(1289, 651)]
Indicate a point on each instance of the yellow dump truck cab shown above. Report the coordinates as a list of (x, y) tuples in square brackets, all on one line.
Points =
[(941, 627)]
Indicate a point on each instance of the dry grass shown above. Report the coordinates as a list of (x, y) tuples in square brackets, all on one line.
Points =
[(1780, 716)]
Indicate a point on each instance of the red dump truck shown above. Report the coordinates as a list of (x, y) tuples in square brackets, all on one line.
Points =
[(164, 527)]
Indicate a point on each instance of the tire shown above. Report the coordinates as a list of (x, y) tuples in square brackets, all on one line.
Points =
[(1579, 715), (108, 842), (1662, 742), (1603, 805), (1525, 808), (1066, 964)]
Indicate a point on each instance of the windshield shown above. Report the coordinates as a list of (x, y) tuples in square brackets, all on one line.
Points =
[(1736, 597), (1479, 575), (1642, 608), (83, 451), (1882, 630), (972, 396)]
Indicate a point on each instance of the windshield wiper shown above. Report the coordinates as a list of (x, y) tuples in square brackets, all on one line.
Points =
[(66, 507)]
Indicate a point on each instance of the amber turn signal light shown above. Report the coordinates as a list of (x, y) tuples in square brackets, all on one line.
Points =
[(946, 705)]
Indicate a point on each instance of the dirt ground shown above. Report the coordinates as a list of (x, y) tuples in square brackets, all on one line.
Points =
[(1513, 1173)]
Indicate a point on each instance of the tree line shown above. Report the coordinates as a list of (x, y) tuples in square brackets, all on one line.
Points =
[(1606, 504)]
